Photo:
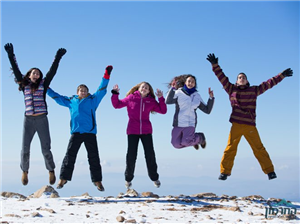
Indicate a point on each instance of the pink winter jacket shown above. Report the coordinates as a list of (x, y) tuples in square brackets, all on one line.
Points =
[(138, 111)]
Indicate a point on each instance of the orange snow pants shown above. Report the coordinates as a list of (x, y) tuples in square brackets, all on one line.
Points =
[(251, 134)]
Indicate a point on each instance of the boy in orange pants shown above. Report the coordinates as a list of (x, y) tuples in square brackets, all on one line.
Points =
[(243, 102)]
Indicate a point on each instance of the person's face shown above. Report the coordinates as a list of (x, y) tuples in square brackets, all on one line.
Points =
[(144, 89), (190, 82), (241, 80), (82, 92), (34, 75)]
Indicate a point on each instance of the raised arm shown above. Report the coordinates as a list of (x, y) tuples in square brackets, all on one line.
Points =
[(116, 102), (12, 59), (170, 96), (102, 89), (61, 100), (50, 74), (161, 106), (219, 73), (264, 86), (208, 107)]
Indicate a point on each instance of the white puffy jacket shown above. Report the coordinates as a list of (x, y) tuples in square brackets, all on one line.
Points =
[(186, 106)]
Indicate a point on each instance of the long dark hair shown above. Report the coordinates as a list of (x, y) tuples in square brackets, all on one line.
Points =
[(180, 80), (26, 81)]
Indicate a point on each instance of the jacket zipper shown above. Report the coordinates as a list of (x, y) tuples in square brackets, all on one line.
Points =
[(141, 115)]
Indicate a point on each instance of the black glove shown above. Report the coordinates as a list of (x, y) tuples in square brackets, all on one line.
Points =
[(60, 52), (114, 91), (108, 69), (287, 73), (212, 59), (9, 49)]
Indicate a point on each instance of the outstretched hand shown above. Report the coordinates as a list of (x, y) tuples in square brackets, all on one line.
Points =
[(287, 73), (115, 89), (211, 93), (9, 49), (60, 52), (212, 59), (159, 93)]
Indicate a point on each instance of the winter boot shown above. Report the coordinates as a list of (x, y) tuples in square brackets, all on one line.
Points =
[(25, 178), (61, 183), (272, 175), (99, 186), (52, 177), (223, 176), (196, 147), (156, 183), (203, 143), (128, 184)]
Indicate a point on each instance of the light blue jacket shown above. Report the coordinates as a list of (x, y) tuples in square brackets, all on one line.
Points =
[(82, 111)]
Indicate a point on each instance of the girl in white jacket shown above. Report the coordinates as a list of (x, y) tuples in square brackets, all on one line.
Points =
[(184, 95)]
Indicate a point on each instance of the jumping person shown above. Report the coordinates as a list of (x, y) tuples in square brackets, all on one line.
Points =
[(34, 88), (243, 98)]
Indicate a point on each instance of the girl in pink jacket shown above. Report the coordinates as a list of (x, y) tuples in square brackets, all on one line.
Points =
[(140, 102)]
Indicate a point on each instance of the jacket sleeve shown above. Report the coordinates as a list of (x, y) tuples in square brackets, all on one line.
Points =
[(15, 68), (264, 86), (101, 91), (160, 106), (222, 78), (207, 108), (61, 100), (118, 104), (51, 73), (170, 96)]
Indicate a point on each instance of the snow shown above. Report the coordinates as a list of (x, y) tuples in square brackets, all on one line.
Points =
[(198, 208)]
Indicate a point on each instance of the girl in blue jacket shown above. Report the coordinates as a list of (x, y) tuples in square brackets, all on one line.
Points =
[(83, 129)]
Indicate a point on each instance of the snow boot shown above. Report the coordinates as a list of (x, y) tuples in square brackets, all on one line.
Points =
[(128, 184), (52, 177), (99, 185), (196, 147), (223, 176), (203, 143), (25, 178), (156, 183), (272, 175), (61, 183)]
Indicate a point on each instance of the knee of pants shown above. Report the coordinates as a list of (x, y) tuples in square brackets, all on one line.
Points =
[(176, 145)]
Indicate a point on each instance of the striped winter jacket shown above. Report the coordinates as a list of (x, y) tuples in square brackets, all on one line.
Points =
[(186, 106), (243, 98), (34, 101)]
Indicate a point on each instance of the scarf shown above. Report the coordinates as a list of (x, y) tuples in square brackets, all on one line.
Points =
[(189, 91)]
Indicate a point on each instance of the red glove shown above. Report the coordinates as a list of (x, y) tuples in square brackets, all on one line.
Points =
[(107, 72)]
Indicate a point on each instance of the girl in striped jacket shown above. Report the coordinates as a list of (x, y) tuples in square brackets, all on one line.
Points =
[(34, 87)]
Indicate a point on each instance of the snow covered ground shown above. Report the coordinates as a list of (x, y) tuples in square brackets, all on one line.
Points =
[(45, 206)]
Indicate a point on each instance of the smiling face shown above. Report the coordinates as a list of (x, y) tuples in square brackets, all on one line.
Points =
[(241, 80), (34, 75), (190, 82), (82, 92), (144, 89)]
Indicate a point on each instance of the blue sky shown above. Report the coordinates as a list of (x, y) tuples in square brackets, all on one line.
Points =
[(153, 42)]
